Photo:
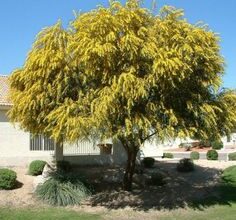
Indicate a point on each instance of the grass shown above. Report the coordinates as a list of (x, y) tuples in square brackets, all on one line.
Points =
[(44, 214)]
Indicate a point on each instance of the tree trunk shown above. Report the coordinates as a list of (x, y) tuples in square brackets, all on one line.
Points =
[(58, 151), (130, 167)]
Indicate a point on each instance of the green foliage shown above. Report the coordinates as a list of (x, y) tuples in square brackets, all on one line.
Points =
[(194, 155), (62, 189), (168, 155), (148, 162), (217, 145), (212, 155), (7, 179), (36, 167), (185, 165), (64, 166), (81, 80), (229, 175), (232, 156)]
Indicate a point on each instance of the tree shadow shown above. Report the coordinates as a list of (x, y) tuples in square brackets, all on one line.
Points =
[(198, 189)]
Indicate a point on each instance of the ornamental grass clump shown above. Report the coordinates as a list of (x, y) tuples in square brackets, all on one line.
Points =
[(62, 190)]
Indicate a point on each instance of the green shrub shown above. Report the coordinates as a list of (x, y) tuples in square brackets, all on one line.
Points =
[(195, 155), (232, 156), (157, 179), (148, 162), (62, 190), (168, 155), (205, 143), (229, 175), (217, 145), (64, 166), (185, 165), (212, 155), (7, 179), (36, 167)]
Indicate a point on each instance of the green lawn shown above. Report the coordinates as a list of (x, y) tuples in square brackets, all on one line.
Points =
[(218, 212), (44, 214)]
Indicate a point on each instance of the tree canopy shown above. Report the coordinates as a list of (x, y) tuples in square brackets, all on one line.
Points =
[(122, 72)]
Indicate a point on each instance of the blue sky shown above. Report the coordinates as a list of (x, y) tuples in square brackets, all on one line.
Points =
[(21, 20)]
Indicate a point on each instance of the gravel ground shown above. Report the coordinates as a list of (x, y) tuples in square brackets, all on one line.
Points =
[(23, 194), (199, 184)]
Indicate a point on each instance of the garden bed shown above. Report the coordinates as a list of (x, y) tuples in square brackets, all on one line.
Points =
[(108, 194)]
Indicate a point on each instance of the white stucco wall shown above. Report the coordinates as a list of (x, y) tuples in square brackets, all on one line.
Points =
[(15, 144), (15, 149)]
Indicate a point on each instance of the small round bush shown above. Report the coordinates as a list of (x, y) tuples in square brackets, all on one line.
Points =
[(157, 179), (229, 175), (212, 155), (217, 145), (148, 162), (64, 166), (185, 165), (62, 190), (36, 167), (7, 179), (195, 155), (168, 155), (232, 156)]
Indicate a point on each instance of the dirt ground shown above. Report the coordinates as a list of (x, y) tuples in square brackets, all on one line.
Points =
[(179, 192)]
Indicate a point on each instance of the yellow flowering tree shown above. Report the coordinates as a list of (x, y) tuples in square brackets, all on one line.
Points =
[(123, 73)]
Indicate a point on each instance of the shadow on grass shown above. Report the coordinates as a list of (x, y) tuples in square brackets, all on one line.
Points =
[(198, 190)]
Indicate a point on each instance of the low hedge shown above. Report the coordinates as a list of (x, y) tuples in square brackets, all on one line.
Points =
[(168, 155), (232, 156), (7, 179), (195, 155), (36, 167), (212, 155)]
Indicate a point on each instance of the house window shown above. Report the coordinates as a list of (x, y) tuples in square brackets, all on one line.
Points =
[(41, 143)]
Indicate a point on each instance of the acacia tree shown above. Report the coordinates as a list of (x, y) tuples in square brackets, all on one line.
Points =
[(123, 73)]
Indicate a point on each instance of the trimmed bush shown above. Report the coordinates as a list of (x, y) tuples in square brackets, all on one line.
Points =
[(232, 156), (217, 145), (148, 162), (62, 190), (36, 167), (7, 179), (157, 179), (168, 155), (229, 175), (195, 155), (212, 155), (64, 166), (185, 165)]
